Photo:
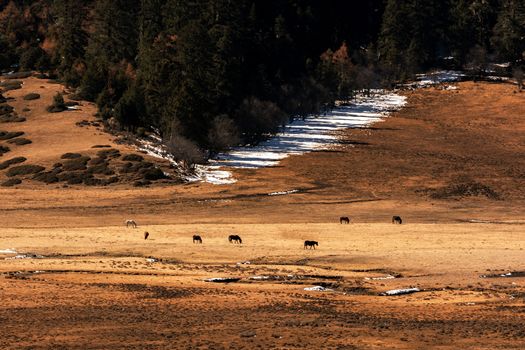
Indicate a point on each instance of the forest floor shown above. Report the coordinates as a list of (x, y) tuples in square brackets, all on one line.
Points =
[(451, 164)]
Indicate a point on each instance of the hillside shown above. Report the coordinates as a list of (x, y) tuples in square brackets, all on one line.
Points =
[(71, 145)]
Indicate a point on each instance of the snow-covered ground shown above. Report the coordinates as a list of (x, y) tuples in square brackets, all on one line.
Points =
[(438, 77), (312, 133)]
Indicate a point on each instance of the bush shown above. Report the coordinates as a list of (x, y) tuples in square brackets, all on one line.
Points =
[(111, 153), (152, 174), (470, 189), (11, 118), (11, 182), (186, 151), (5, 109), (58, 104), (11, 85), (76, 164), (141, 183), (24, 170), (140, 132), (48, 177), (7, 135), (223, 134), (258, 117), (132, 158), (101, 146), (101, 168), (74, 178), (71, 155), (12, 161), (20, 141), (31, 96), (4, 149)]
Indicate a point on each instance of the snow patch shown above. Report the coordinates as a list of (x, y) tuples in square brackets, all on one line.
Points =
[(8, 251), (318, 289), (387, 277), (438, 77), (222, 279), (282, 193), (401, 291), (313, 132)]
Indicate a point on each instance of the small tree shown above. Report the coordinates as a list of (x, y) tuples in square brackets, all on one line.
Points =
[(185, 151), (517, 73), (58, 104), (223, 134)]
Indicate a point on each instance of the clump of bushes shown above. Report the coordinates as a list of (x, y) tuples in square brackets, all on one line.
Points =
[(71, 155), (24, 170), (31, 96), (470, 189), (152, 174), (101, 146), (7, 135), (58, 104), (132, 158), (141, 183), (8, 163), (4, 149), (11, 182), (20, 141)]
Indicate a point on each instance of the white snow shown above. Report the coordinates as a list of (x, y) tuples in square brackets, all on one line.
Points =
[(8, 251), (402, 291), (259, 278), (282, 193), (313, 132), (437, 77), (387, 277), (222, 279), (318, 289)]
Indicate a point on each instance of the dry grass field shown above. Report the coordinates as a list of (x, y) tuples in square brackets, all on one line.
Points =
[(451, 164)]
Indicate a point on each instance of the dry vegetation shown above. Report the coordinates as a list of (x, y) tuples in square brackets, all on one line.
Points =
[(450, 164)]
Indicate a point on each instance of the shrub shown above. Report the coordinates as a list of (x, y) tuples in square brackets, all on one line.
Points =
[(24, 170), (2, 99), (20, 141), (101, 168), (111, 153), (48, 177), (7, 135), (74, 178), (258, 117), (132, 158), (31, 96), (18, 75), (223, 134), (58, 104), (101, 146), (152, 174), (470, 189), (111, 180), (12, 161), (5, 109), (71, 155), (76, 164), (141, 183), (11, 182), (11, 118), (4, 149), (11, 85), (186, 151), (93, 181)]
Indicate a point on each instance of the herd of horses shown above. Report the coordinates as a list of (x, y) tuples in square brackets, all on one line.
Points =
[(236, 239)]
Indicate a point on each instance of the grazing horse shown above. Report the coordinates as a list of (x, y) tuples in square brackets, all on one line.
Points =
[(146, 235), (235, 239), (397, 220), (197, 239), (310, 244), (131, 223), (344, 219)]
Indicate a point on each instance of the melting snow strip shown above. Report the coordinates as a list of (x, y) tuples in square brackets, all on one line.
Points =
[(8, 251), (282, 193), (318, 289)]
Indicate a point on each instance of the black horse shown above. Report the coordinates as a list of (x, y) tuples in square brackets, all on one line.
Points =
[(310, 244), (197, 239), (235, 239), (344, 220), (146, 235), (397, 220)]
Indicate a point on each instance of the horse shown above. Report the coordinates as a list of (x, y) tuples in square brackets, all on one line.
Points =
[(344, 219), (131, 223), (197, 239), (397, 220), (310, 244), (146, 235), (235, 239)]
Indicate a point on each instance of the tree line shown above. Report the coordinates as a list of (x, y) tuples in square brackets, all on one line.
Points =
[(210, 74)]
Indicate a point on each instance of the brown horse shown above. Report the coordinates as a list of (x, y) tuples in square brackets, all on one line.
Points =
[(397, 220), (310, 244), (235, 239), (146, 235), (197, 239), (344, 220)]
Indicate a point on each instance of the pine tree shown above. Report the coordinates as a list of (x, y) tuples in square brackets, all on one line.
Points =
[(509, 31)]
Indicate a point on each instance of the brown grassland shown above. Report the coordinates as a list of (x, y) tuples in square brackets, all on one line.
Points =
[(451, 164)]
